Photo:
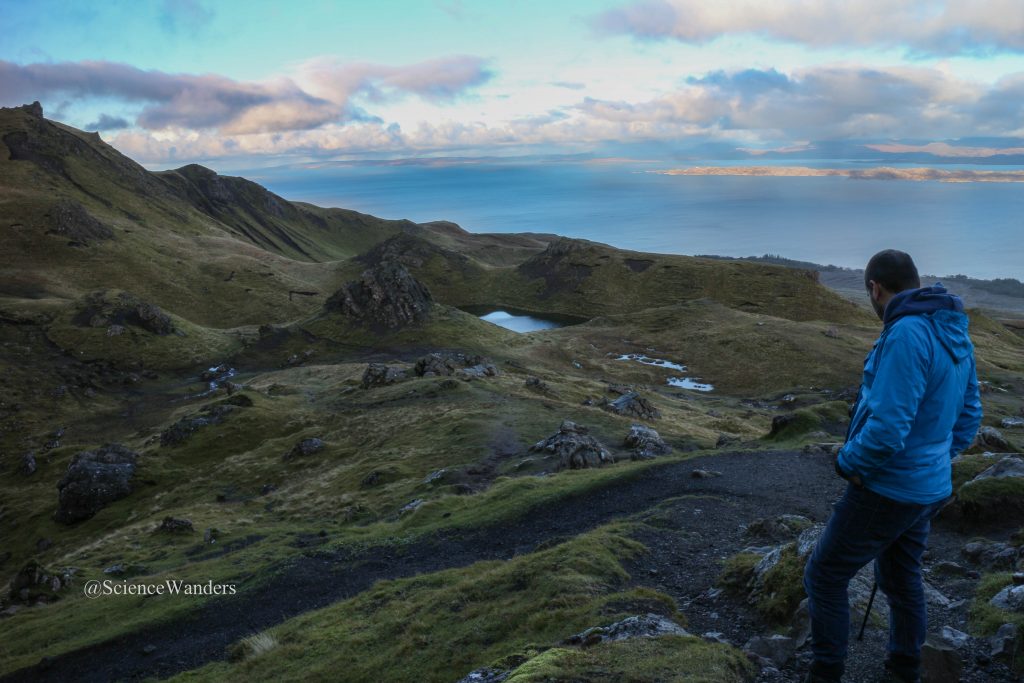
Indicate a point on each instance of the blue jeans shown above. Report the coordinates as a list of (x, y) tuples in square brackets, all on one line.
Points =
[(867, 526)]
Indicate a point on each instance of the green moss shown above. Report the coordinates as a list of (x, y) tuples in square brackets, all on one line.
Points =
[(985, 619), (968, 467), (993, 498), (783, 588), (737, 571), (642, 660)]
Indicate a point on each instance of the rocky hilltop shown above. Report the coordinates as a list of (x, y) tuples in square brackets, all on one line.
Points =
[(207, 385)]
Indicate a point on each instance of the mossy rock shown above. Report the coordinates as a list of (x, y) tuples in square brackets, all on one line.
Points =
[(737, 571), (993, 499)]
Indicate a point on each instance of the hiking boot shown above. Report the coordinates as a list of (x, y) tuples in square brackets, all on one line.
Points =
[(900, 673), (823, 673)]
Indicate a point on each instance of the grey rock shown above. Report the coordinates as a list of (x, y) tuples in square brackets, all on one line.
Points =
[(410, 506), (1012, 423), (183, 429), (173, 525), (645, 442), (777, 649), (380, 374), (639, 626), (486, 674), (443, 364), (574, 447), (940, 662), (386, 297), (991, 439), (93, 480), (934, 597), (28, 464), (1009, 466), (1010, 598), (305, 447), (991, 554), (704, 474), (800, 629), (633, 405), (435, 476), (1004, 643), (954, 637), (537, 384)]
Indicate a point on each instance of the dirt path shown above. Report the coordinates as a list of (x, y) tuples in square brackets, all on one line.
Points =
[(752, 485)]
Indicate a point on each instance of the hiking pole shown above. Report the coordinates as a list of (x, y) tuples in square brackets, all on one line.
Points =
[(867, 612)]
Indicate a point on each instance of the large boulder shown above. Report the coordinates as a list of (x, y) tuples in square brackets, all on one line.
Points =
[(93, 480), (380, 374), (632, 404), (574, 447), (35, 584), (444, 363), (100, 310), (645, 442), (183, 429), (995, 493), (68, 218), (386, 297), (990, 439), (648, 625)]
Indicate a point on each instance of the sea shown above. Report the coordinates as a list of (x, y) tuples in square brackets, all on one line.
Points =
[(971, 228)]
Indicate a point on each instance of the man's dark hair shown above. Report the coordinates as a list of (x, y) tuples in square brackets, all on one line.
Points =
[(892, 269)]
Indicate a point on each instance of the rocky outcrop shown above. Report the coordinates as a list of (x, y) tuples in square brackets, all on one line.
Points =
[(441, 364), (380, 374), (574, 447), (100, 310), (93, 480), (173, 525), (645, 442), (183, 429), (990, 439), (35, 584), (305, 448), (632, 404), (68, 218), (385, 297), (996, 493), (648, 625)]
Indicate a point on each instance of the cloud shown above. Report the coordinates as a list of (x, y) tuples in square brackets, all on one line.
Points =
[(750, 109), (922, 27), (570, 85), (831, 102), (242, 107), (435, 80), (108, 122)]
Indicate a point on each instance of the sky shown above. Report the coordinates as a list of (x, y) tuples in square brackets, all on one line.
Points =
[(255, 83)]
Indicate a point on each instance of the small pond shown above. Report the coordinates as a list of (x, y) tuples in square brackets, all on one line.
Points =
[(519, 320)]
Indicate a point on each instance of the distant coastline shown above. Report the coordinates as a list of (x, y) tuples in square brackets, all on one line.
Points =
[(877, 173)]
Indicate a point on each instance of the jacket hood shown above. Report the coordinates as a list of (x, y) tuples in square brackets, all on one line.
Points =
[(943, 310)]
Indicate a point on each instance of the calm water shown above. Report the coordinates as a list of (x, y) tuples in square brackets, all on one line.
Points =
[(972, 228)]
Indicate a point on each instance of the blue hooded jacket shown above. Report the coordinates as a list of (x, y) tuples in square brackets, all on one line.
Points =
[(919, 403)]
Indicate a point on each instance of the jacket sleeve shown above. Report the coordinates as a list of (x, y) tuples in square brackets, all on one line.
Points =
[(900, 379), (970, 417)]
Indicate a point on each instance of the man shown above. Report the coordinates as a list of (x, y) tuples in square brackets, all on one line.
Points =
[(918, 407)]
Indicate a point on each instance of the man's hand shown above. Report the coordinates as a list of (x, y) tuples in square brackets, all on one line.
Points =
[(852, 478)]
